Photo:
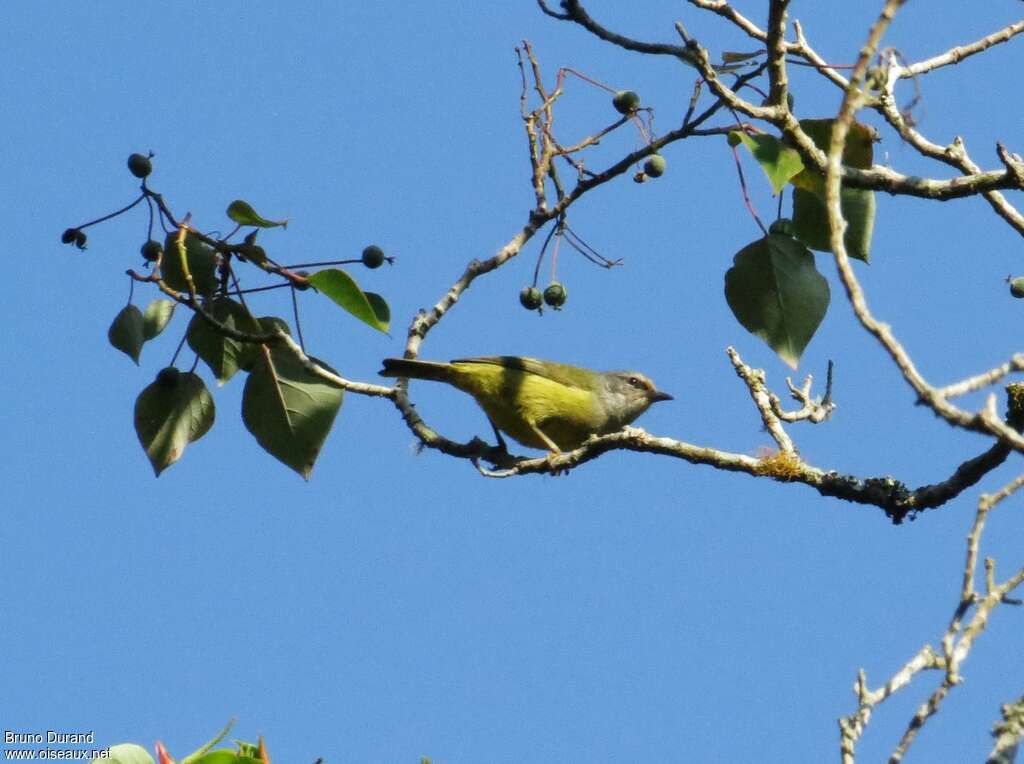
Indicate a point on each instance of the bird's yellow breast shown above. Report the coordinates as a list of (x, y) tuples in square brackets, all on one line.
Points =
[(520, 402)]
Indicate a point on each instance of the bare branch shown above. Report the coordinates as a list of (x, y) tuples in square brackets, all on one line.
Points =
[(852, 727), (802, 48), (777, 53), (958, 54), (812, 410), (726, 11), (575, 12), (956, 645), (755, 381), (983, 380)]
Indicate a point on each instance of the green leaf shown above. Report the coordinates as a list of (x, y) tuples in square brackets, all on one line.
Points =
[(223, 355), (254, 253), (209, 744), (775, 292), (810, 220), (288, 409), (242, 213), (126, 332), (380, 307), (225, 756), (342, 289), (169, 416), (125, 753), (779, 162), (202, 264), (158, 314), (859, 149)]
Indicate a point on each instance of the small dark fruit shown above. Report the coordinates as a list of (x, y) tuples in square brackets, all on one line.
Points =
[(555, 295), (303, 285), (1017, 286), (168, 377), (782, 226), (626, 101), (654, 167), (68, 237), (139, 165), (373, 256), (530, 298), (151, 251)]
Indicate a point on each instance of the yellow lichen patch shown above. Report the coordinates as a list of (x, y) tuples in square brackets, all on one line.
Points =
[(781, 465)]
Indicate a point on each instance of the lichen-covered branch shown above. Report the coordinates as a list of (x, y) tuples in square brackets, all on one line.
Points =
[(1008, 733)]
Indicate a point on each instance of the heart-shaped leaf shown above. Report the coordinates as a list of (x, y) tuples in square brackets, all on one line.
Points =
[(775, 292), (172, 412), (127, 332), (288, 409)]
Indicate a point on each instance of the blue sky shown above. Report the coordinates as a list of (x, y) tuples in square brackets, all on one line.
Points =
[(398, 605)]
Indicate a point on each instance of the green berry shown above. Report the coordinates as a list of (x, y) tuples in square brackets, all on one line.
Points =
[(139, 165), (782, 226), (373, 256), (168, 377), (151, 251), (530, 298), (734, 138), (626, 102), (1017, 286), (654, 167), (555, 295)]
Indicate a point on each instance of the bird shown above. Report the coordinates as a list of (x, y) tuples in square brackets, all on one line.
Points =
[(540, 404)]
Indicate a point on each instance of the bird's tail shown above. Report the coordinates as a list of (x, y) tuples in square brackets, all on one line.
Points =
[(403, 367)]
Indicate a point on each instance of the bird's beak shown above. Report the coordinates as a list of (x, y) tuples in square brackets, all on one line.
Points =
[(657, 395)]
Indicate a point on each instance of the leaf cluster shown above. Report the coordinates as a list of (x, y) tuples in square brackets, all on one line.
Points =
[(290, 400)]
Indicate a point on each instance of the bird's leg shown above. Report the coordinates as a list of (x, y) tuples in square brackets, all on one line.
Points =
[(497, 434), (554, 451)]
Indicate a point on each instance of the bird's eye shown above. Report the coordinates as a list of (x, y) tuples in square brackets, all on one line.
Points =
[(634, 382)]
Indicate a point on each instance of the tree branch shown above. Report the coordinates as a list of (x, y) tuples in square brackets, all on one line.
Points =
[(958, 54)]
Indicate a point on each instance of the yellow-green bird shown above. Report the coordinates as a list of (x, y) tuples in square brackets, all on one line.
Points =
[(541, 404)]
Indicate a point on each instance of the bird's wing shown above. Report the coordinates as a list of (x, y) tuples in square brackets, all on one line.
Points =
[(556, 372)]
